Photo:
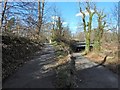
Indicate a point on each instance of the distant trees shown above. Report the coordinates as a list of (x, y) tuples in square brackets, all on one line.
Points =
[(80, 36), (57, 28), (16, 10), (67, 33), (10, 23), (28, 17), (33, 20), (59, 32), (116, 20)]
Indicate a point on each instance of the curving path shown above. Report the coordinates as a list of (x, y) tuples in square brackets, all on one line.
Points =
[(33, 75), (90, 76)]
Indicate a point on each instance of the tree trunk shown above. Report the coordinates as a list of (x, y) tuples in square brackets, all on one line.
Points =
[(88, 34), (88, 31), (3, 12), (99, 32), (40, 15), (97, 45), (87, 47)]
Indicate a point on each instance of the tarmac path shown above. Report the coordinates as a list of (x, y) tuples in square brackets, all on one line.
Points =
[(32, 75)]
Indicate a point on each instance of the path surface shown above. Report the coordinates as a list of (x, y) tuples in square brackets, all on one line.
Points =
[(32, 75), (90, 76)]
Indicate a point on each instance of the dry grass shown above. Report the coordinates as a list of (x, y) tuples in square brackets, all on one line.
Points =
[(59, 61), (112, 61), (94, 57)]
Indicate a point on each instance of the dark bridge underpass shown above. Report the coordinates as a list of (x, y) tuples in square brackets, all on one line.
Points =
[(80, 46)]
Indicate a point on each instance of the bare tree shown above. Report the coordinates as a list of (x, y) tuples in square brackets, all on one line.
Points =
[(99, 31), (115, 11), (40, 14), (88, 24), (3, 12)]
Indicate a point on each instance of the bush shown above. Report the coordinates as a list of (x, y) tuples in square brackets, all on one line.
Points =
[(14, 50)]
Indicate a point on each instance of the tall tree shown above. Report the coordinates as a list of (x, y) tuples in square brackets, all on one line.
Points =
[(3, 12), (89, 25), (99, 31), (40, 14), (59, 27)]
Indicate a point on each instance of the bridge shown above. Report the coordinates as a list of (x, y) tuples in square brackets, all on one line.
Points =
[(79, 46)]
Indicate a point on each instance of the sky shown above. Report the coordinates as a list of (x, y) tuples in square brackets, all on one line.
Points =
[(69, 10)]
